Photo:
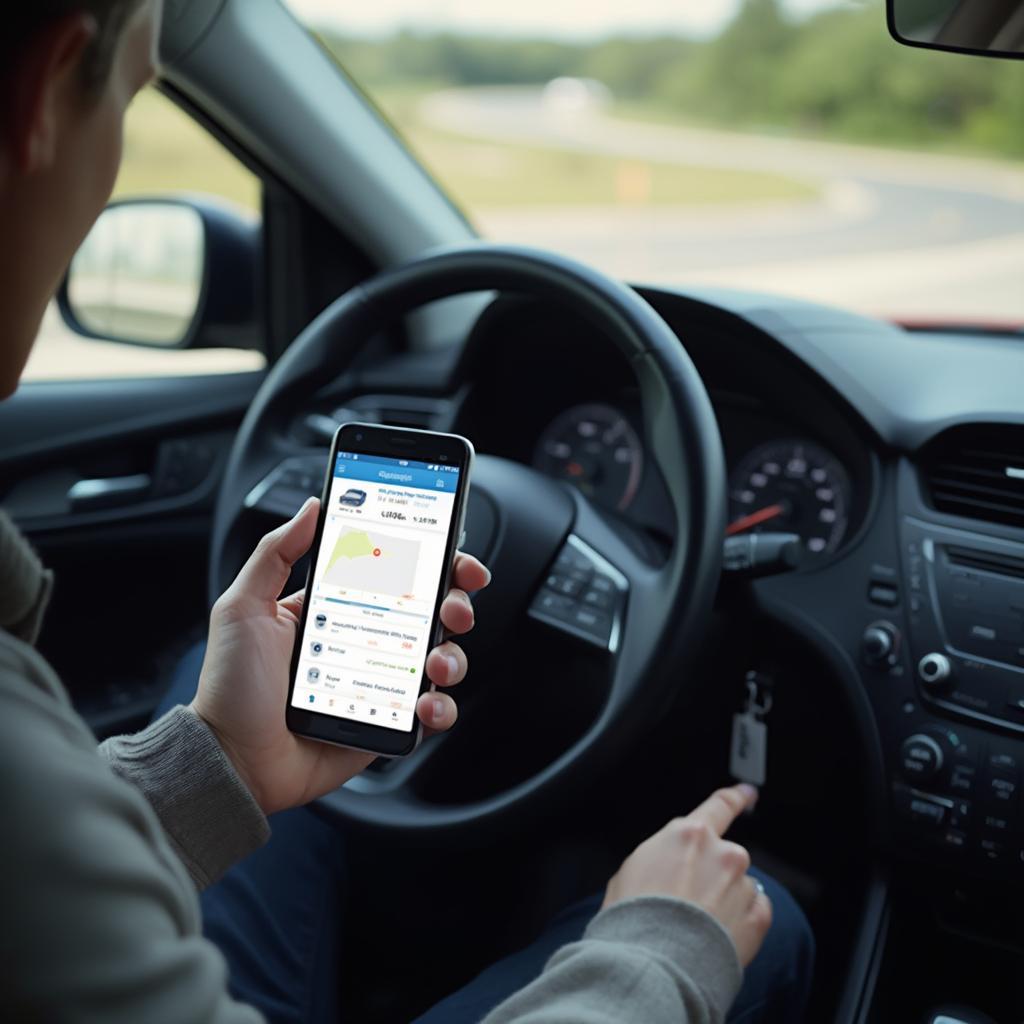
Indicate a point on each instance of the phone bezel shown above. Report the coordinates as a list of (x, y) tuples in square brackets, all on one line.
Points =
[(389, 442)]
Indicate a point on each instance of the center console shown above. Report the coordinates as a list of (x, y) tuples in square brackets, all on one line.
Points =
[(959, 769)]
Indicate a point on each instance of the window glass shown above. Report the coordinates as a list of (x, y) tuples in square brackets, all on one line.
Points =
[(165, 153), (787, 146)]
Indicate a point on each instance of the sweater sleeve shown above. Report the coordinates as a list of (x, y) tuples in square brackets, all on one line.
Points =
[(206, 810), (652, 959), (101, 920)]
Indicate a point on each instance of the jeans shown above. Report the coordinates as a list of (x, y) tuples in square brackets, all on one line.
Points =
[(275, 917)]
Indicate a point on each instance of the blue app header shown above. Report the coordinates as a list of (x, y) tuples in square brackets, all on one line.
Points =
[(400, 472)]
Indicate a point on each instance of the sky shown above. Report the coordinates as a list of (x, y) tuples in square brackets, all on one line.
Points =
[(563, 18)]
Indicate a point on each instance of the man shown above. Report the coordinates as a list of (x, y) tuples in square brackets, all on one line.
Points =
[(105, 850)]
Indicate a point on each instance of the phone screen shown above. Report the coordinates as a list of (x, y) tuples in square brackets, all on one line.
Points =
[(374, 589)]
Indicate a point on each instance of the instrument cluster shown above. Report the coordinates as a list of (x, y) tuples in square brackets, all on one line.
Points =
[(786, 484)]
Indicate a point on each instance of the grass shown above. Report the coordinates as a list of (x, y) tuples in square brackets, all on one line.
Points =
[(486, 175), (166, 152), (483, 174)]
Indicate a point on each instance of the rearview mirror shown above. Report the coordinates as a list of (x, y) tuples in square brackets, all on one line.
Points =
[(170, 273), (993, 28)]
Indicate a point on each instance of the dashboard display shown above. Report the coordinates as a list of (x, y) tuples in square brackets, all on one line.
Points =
[(791, 487), (594, 448)]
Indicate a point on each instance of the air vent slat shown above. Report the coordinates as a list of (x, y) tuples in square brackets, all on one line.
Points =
[(966, 473)]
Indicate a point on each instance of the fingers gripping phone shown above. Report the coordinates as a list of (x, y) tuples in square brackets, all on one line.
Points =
[(391, 519)]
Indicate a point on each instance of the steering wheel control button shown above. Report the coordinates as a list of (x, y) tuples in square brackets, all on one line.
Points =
[(567, 585), (921, 758), (934, 670), (557, 605), (583, 595), (597, 623), (602, 599), (570, 558)]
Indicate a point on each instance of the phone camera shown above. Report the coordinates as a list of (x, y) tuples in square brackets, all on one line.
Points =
[(359, 437)]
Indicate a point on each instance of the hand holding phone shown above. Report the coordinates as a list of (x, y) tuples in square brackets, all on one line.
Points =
[(244, 682), (391, 517)]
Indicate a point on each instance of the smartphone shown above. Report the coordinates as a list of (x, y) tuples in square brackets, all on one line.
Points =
[(391, 519)]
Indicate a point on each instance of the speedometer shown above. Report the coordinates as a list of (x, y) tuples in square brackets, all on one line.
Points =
[(791, 487), (594, 448)]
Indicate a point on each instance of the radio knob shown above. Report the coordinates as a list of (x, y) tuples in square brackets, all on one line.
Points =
[(934, 670), (921, 758), (878, 642)]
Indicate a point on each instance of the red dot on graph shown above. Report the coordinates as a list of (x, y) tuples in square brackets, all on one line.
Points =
[(376, 552)]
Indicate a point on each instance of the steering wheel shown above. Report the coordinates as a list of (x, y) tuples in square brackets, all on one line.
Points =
[(524, 524)]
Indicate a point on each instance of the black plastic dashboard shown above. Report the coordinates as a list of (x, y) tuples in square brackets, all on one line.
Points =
[(941, 748)]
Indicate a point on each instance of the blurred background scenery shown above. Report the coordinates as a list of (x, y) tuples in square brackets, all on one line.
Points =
[(788, 147)]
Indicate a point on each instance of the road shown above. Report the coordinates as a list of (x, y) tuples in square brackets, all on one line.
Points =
[(894, 232)]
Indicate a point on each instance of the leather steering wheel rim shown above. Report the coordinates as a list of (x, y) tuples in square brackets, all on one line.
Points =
[(668, 601)]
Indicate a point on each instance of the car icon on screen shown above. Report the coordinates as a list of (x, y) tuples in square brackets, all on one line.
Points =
[(353, 497)]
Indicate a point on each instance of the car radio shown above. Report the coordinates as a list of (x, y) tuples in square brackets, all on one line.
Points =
[(966, 621)]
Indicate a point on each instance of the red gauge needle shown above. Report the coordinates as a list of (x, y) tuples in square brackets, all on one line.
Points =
[(762, 515)]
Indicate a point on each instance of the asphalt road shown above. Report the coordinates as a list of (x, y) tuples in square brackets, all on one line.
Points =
[(894, 232)]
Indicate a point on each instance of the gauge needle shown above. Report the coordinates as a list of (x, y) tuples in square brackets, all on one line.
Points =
[(762, 515)]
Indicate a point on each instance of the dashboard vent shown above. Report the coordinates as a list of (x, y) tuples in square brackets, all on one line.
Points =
[(978, 472)]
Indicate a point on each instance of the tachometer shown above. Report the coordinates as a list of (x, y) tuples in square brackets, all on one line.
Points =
[(791, 487), (595, 448)]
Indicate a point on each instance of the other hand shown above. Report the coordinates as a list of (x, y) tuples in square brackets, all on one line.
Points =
[(689, 859), (243, 686)]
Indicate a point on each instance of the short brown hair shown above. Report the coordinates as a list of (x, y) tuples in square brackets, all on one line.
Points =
[(29, 18)]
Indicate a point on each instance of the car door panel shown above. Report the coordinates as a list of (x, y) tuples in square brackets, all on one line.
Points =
[(114, 483)]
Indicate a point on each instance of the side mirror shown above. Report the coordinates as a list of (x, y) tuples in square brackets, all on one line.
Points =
[(992, 28), (166, 273)]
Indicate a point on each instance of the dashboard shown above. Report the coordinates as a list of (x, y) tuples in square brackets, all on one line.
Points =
[(837, 428), (796, 463)]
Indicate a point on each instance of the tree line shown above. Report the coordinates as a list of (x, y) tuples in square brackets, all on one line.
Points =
[(835, 73)]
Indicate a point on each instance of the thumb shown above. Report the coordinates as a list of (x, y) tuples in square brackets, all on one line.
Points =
[(265, 574)]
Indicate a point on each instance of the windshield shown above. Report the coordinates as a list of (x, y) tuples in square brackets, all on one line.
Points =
[(782, 147)]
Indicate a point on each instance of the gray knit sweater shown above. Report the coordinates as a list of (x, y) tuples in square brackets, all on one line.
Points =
[(102, 857)]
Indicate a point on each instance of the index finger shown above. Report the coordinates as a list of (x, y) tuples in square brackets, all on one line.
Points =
[(724, 806)]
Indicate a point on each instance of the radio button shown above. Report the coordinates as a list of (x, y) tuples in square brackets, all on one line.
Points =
[(994, 851), (953, 839), (962, 779), (960, 814), (1003, 763), (1001, 790), (921, 758), (934, 670), (925, 812), (996, 824)]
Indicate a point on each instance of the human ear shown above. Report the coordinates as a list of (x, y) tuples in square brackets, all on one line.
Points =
[(45, 77)]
